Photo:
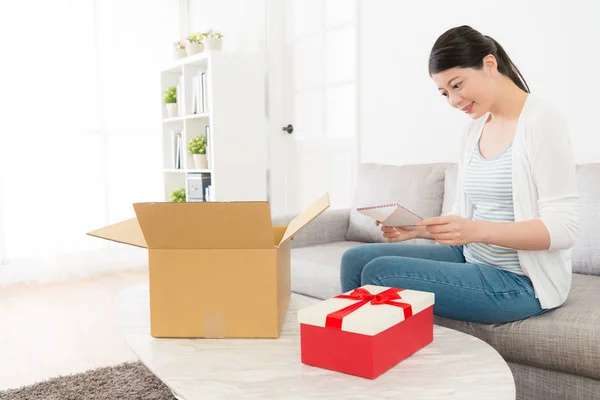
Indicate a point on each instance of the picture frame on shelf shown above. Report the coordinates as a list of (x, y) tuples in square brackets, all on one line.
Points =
[(197, 185)]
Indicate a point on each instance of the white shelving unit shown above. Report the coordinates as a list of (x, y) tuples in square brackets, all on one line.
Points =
[(237, 142)]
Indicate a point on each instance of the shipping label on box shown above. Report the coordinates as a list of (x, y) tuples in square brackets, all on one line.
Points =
[(366, 331)]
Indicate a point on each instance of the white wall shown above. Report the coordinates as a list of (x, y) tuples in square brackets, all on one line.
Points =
[(402, 117), (242, 22), (80, 129)]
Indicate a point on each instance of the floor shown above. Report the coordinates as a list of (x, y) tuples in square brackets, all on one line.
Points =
[(62, 328)]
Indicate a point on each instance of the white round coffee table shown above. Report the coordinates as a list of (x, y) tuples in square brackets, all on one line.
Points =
[(454, 366)]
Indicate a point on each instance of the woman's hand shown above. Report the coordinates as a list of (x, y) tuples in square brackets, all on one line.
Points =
[(400, 234), (452, 230)]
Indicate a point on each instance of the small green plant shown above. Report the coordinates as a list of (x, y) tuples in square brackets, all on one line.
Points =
[(213, 34), (170, 95), (198, 145), (177, 196), (196, 37)]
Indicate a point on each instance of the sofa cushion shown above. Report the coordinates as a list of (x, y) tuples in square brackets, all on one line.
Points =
[(544, 384), (586, 251), (450, 184), (564, 339), (330, 226), (316, 269), (420, 188)]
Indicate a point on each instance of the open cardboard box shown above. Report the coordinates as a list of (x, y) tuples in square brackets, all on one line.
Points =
[(217, 269)]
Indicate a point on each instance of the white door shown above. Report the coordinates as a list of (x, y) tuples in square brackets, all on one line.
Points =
[(312, 49)]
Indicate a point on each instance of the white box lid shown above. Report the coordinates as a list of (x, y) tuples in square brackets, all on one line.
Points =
[(370, 319)]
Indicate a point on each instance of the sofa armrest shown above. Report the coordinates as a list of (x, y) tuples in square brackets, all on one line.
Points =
[(330, 226)]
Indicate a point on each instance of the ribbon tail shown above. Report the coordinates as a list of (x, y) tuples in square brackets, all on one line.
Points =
[(347, 296)]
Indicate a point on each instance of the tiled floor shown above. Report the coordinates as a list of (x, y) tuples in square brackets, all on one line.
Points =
[(63, 328)]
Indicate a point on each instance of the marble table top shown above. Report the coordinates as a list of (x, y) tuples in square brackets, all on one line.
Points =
[(454, 366)]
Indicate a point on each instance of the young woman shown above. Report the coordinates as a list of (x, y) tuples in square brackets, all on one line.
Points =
[(503, 254)]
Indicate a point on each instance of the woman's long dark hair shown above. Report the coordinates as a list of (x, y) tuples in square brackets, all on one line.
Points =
[(465, 47)]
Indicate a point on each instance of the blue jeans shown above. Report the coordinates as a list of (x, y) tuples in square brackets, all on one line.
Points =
[(463, 291)]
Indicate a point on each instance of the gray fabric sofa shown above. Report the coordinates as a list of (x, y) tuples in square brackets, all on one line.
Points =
[(552, 356)]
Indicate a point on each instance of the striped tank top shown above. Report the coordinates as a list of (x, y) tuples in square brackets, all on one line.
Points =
[(488, 183)]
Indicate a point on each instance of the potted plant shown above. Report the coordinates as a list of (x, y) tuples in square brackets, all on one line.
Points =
[(179, 47), (177, 196), (195, 43), (170, 99), (213, 40), (197, 147)]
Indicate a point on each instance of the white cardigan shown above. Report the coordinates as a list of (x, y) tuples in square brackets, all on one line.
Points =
[(544, 186)]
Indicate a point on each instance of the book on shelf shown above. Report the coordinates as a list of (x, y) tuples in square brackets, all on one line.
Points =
[(199, 94), (204, 93), (180, 95), (199, 85), (195, 95), (198, 91), (196, 100), (208, 143), (177, 143), (207, 193)]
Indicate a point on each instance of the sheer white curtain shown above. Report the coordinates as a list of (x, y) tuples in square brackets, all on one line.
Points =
[(79, 130)]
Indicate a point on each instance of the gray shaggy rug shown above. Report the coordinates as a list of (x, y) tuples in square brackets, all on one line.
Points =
[(124, 381)]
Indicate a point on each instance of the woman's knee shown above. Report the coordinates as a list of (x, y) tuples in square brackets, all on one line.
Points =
[(380, 268), (354, 256), (392, 267), (353, 261)]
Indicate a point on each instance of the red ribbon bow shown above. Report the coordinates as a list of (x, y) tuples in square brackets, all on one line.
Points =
[(334, 319)]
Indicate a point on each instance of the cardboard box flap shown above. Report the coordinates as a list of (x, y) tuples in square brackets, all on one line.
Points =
[(127, 232), (306, 217), (210, 225), (278, 232)]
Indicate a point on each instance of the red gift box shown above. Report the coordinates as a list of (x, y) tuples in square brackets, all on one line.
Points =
[(367, 331)]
